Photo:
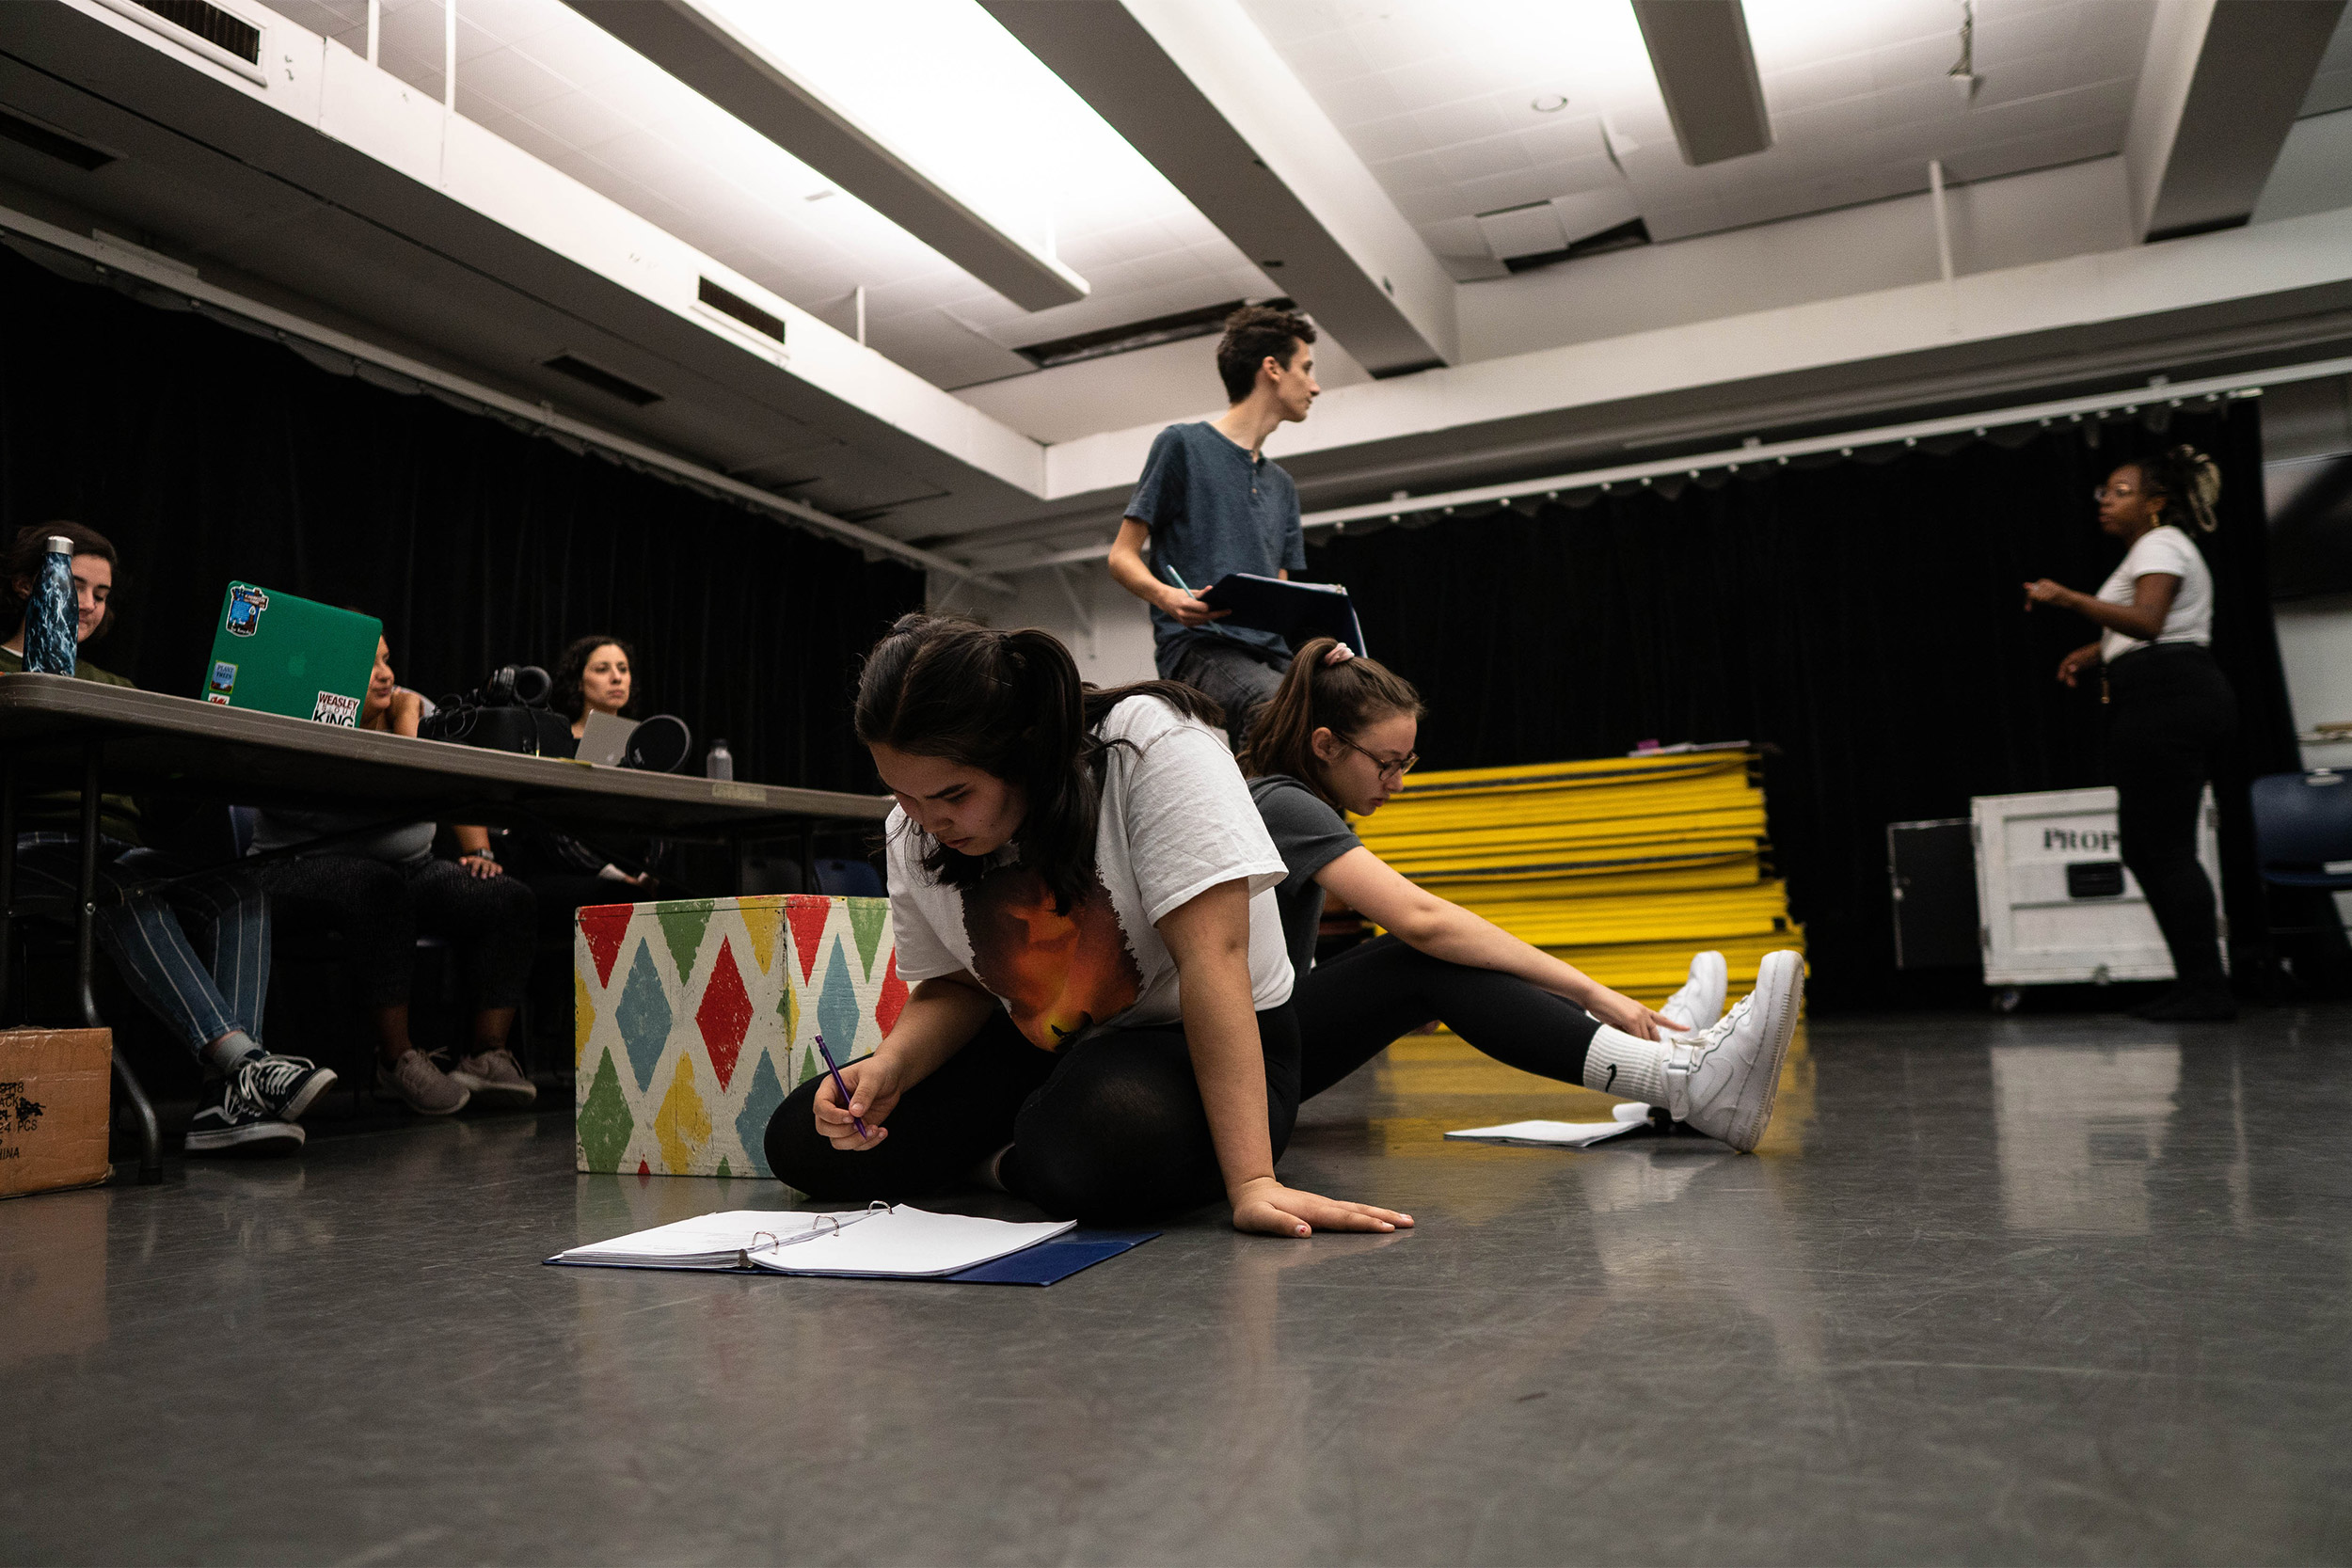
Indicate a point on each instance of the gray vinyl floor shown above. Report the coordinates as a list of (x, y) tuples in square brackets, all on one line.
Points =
[(1997, 1290)]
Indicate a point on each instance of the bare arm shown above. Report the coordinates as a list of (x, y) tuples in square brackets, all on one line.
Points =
[(939, 1019), (1129, 571), (1209, 938), (1423, 921), (2143, 618)]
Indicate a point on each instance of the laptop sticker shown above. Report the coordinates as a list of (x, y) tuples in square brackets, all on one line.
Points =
[(245, 603), (332, 709), (224, 676), (216, 697)]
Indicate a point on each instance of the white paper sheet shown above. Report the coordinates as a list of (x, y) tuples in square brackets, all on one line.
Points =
[(1625, 1117)]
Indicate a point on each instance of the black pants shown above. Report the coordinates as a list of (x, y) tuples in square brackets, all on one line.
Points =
[(1350, 1008), (380, 910), (1240, 677), (2170, 705), (1111, 1128)]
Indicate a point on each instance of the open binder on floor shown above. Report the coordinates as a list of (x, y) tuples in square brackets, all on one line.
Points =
[(1295, 611), (878, 1241)]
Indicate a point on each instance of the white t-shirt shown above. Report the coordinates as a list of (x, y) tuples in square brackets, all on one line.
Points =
[(2191, 619), (1176, 820)]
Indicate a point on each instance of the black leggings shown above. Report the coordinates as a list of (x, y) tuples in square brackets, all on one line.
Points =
[(1351, 1007), (381, 908), (2170, 705), (1110, 1128)]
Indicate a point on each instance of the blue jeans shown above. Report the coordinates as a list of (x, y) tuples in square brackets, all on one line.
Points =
[(195, 952)]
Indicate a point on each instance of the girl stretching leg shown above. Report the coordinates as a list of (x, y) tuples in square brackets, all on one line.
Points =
[(1338, 736)]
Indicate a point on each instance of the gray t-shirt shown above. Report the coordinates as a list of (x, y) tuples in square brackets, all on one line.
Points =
[(1308, 835), (1176, 820), (1213, 509)]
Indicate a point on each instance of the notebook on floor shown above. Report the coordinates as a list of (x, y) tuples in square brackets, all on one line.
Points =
[(880, 1241), (1625, 1118)]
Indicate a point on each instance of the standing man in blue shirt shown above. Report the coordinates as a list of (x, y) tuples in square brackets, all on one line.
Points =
[(1209, 503)]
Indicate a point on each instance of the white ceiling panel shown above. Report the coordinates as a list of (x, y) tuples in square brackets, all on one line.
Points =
[(538, 74), (1444, 100)]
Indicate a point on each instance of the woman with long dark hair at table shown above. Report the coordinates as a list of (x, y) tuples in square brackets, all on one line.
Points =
[(1081, 896), (2168, 703)]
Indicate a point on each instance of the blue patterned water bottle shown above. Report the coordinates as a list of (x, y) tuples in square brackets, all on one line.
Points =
[(50, 614)]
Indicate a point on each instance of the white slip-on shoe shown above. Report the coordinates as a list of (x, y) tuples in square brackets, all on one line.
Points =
[(1722, 1080), (1700, 1002)]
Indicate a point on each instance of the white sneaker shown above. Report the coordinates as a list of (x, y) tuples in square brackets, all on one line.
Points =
[(1722, 1080), (1700, 1002)]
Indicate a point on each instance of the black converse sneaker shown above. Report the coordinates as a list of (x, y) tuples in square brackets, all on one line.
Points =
[(230, 1123), (282, 1087)]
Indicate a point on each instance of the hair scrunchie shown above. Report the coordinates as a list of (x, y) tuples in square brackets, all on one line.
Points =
[(1340, 653)]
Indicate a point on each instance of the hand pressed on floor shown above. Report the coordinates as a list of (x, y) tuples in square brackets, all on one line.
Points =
[(1265, 1206)]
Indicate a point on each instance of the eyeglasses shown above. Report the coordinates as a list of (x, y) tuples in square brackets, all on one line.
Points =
[(2119, 491), (1398, 765)]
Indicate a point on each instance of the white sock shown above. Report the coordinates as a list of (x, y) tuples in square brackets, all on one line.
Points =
[(1620, 1064), (225, 1055), (989, 1172)]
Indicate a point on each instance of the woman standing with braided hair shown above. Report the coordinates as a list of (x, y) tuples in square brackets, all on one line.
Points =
[(2168, 703)]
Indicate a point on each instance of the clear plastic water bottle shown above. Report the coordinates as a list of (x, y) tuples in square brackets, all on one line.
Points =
[(50, 615), (718, 763)]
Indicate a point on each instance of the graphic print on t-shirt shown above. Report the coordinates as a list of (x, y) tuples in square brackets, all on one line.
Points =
[(1059, 974)]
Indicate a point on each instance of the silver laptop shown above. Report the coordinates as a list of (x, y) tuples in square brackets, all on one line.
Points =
[(604, 740)]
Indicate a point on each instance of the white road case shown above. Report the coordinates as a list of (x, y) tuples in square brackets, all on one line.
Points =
[(2058, 905)]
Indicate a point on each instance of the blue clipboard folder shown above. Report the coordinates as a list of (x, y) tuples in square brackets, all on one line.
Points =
[(1294, 611)]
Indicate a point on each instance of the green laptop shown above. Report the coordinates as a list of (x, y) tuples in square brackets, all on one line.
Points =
[(277, 654)]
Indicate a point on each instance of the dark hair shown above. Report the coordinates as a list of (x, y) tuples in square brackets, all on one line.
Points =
[(1009, 704), (21, 562), (1344, 698), (1252, 333), (564, 695), (2189, 481)]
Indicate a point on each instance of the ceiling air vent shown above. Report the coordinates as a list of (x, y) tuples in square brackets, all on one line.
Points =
[(211, 24), (1106, 341), (41, 138), (216, 33), (602, 380), (741, 309)]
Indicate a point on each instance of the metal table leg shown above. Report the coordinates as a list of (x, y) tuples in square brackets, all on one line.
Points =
[(8, 880), (85, 961)]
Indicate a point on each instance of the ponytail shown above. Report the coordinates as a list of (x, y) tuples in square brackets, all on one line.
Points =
[(2189, 481), (1012, 704), (1345, 698)]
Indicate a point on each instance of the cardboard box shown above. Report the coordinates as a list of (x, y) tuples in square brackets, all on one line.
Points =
[(693, 1019), (54, 1089)]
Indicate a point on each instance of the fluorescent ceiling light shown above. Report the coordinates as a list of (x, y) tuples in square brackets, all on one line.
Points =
[(926, 110), (1706, 71)]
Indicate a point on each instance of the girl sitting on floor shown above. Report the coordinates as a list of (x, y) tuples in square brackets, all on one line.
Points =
[(1081, 896), (1338, 734)]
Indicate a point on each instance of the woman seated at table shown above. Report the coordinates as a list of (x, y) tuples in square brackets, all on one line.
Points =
[(565, 874), (194, 949), (380, 890)]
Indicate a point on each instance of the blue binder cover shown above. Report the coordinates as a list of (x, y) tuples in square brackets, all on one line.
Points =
[(1294, 611)]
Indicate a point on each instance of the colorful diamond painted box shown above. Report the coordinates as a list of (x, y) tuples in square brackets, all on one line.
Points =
[(693, 1020)]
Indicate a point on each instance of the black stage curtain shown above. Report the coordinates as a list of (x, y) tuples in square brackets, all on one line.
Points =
[(1861, 616), (206, 453)]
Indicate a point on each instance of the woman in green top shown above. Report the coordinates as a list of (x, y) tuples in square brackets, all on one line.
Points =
[(194, 949)]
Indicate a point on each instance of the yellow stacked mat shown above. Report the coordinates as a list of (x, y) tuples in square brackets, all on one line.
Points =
[(1624, 866)]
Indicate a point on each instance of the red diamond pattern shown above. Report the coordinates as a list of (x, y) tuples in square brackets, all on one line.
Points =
[(604, 925), (808, 913), (893, 998), (726, 1014)]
